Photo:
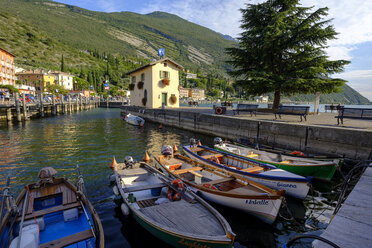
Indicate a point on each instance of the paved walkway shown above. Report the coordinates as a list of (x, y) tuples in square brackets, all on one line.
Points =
[(352, 225), (322, 119)]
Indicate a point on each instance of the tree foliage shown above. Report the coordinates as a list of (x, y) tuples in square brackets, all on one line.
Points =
[(281, 49)]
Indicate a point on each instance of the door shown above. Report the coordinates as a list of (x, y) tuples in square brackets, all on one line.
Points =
[(164, 99)]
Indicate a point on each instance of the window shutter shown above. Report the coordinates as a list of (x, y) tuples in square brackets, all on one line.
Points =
[(168, 74), (161, 74)]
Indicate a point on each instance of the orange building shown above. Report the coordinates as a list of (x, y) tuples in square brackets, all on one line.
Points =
[(6, 68)]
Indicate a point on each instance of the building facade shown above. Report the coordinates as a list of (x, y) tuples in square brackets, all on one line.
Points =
[(64, 79), (7, 70), (155, 84)]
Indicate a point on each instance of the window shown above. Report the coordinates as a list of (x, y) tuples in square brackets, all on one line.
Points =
[(145, 94), (133, 79), (164, 74), (143, 77)]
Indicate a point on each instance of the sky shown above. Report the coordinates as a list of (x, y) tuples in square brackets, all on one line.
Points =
[(352, 19)]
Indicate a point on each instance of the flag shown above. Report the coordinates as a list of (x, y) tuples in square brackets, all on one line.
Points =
[(161, 52)]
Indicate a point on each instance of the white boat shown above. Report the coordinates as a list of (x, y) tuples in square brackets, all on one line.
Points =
[(266, 174), (235, 192), (134, 120), (168, 210)]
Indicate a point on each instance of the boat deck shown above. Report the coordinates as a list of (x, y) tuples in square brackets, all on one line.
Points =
[(351, 227), (185, 217)]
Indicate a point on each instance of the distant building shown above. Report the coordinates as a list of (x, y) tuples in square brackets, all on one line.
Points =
[(64, 79), (262, 99), (191, 75), (7, 70), (155, 84), (197, 94), (184, 92)]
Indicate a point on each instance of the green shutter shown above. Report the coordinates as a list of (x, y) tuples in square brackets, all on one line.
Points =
[(168, 74), (160, 75)]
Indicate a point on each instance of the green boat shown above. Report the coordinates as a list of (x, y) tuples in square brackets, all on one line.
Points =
[(323, 170), (168, 211)]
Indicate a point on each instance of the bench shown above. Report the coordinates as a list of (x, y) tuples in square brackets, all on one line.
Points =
[(143, 187), (226, 104), (241, 107), (332, 107), (354, 113), (253, 169), (302, 111)]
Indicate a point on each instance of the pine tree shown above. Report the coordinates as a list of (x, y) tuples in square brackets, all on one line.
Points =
[(62, 64), (281, 50)]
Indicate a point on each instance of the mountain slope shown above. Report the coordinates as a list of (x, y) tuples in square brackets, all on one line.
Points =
[(125, 33)]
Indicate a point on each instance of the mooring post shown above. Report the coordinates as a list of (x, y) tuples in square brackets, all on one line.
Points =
[(69, 103), (41, 105), (107, 102), (18, 107), (24, 107), (9, 114), (53, 105), (63, 104)]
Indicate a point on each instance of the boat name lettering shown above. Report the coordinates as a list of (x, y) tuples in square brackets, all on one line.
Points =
[(257, 202), (192, 245), (286, 185)]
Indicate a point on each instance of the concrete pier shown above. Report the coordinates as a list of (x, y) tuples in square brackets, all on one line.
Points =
[(352, 143), (352, 225)]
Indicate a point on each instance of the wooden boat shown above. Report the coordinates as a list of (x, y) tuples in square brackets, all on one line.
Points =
[(176, 216), (301, 166), (134, 120), (266, 174), (52, 213), (213, 185)]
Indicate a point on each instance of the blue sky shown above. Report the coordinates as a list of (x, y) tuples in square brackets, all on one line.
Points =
[(352, 19)]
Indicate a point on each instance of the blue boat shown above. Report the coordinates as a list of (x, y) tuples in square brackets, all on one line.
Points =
[(50, 213)]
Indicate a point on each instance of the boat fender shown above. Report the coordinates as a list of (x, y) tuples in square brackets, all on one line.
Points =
[(299, 153), (112, 178), (207, 185), (124, 209), (116, 190)]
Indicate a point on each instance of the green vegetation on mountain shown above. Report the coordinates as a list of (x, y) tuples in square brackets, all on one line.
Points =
[(97, 46)]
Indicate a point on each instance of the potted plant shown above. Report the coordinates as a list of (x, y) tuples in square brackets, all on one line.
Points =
[(173, 98), (140, 85), (166, 81), (144, 101), (131, 87)]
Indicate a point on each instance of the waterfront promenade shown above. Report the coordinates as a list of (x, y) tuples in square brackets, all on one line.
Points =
[(320, 134)]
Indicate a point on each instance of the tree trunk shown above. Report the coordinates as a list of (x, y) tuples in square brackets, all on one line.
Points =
[(276, 99)]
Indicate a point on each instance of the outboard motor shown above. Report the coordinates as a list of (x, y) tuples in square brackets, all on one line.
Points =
[(167, 150), (129, 162), (193, 142), (279, 157), (218, 141)]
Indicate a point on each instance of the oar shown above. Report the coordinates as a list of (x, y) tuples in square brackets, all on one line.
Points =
[(5, 197), (25, 204), (82, 186)]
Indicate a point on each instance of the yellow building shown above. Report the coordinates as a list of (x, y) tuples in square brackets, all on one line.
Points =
[(155, 84)]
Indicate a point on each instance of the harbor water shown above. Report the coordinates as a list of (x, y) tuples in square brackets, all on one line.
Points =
[(91, 139)]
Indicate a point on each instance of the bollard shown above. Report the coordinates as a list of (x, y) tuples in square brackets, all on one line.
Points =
[(53, 105), (69, 104), (41, 105), (9, 114), (24, 107), (18, 108)]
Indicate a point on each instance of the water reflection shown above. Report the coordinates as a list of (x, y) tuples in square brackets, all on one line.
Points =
[(92, 138)]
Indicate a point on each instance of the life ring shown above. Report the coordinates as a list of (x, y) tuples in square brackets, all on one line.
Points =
[(219, 110), (172, 194), (298, 153), (209, 186)]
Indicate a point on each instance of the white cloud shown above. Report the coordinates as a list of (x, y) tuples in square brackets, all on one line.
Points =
[(360, 80)]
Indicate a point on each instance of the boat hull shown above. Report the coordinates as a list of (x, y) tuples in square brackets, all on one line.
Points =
[(264, 209), (320, 171), (295, 188), (174, 239)]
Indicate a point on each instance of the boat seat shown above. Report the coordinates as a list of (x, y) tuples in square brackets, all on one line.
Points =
[(253, 169), (221, 180), (181, 171), (74, 238), (143, 187), (196, 174), (212, 155)]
